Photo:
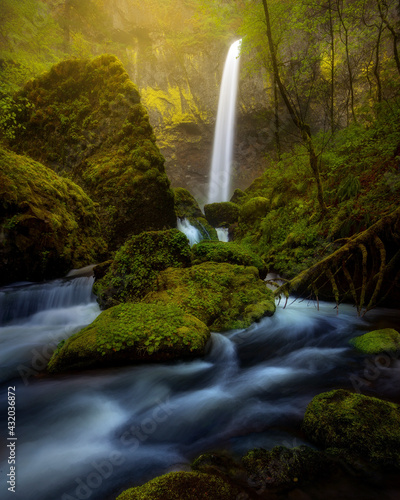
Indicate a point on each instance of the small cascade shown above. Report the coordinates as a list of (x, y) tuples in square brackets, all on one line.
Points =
[(21, 301), (222, 233), (192, 233), (221, 164)]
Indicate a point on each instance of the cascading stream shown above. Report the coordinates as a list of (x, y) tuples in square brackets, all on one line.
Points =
[(221, 164), (92, 433)]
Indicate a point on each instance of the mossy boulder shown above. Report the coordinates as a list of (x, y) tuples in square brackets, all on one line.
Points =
[(183, 486), (131, 333), (367, 426), (253, 210), (222, 214), (48, 225), (137, 264), (285, 467), (378, 341), (85, 120), (233, 253), (185, 204), (238, 196), (223, 296)]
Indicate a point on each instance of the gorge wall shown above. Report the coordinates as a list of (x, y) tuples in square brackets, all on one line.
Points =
[(178, 74)]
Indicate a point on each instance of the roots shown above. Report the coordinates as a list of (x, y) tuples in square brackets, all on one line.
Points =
[(364, 270)]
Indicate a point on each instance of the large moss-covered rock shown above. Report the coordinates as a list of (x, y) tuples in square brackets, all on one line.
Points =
[(233, 253), (183, 486), (223, 296), (137, 264), (378, 341), (130, 333), (285, 467), (366, 426), (185, 204), (85, 120), (48, 225), (222, 214)]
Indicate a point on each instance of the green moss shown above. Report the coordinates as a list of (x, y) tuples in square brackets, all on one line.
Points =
[(222, 214), (285, 467), (137, 264), (367, 426), (254, 209), (185, 204), (377, 341), (133, 333), (223, 296), (86, 122), (233, 253), (182, 486), (49, 225)]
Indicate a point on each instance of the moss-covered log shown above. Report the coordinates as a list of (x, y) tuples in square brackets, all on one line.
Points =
[(365, 270)]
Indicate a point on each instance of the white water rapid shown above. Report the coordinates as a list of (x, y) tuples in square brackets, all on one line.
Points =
[(221, 164), (191, 232)]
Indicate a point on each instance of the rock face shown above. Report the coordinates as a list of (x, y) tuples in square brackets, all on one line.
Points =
[(48, 224), (132, 333), (86, 121), (362, 426), (179, 79)]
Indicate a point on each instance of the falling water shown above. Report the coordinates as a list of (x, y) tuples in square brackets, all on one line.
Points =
[(221, 163), (191, 232)]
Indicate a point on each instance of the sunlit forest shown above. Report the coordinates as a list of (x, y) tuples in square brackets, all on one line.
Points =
[(200, 249)]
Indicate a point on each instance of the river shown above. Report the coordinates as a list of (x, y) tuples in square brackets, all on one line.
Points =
[(90, 434)]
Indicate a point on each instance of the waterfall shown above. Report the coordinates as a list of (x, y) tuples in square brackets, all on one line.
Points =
[(191, 232), (21, 301), (221, 163), (222, 233)]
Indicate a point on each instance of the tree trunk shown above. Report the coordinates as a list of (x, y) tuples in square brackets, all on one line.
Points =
[(303, 127)]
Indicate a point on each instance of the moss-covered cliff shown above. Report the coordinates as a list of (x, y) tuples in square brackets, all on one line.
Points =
[(47, 223), (85, 121)]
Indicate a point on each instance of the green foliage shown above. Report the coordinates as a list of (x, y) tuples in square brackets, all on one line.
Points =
[(137, 264), (348, 188)]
